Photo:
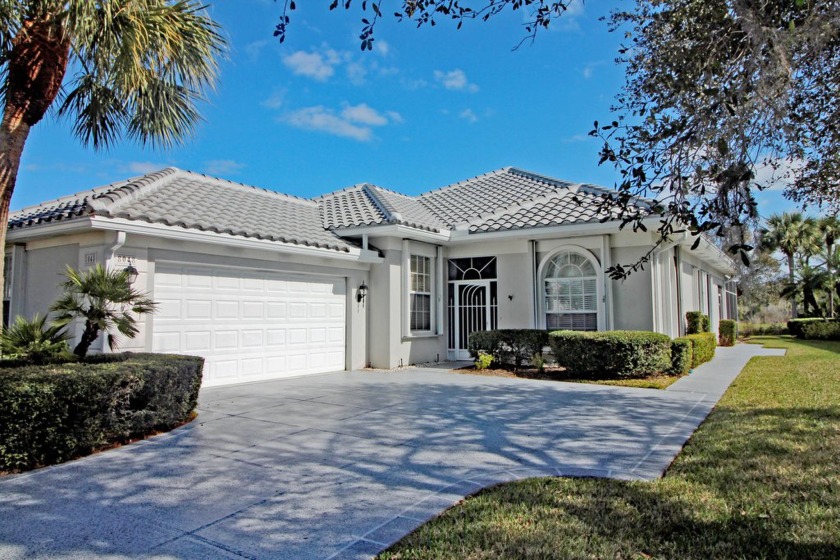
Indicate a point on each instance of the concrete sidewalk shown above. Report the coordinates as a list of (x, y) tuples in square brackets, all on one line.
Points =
[(342, 465)]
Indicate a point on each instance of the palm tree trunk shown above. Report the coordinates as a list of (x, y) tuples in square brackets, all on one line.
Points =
[(792, 280), (88, 337), (13, 135), (35, 70)]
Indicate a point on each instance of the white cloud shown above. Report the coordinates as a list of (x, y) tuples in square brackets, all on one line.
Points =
[(356, 73), (381, 47), (363, 114), (354, 121), (468, 115), (395, 117), (253, 50), (776, 174), (222, 167), (324, 120), (313, 65), (455, 80), (275, 100)]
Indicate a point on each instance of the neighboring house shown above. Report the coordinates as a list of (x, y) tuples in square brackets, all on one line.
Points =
[(266, 285)]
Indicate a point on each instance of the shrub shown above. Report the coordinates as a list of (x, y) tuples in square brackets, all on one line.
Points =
[(759, 329), (680, 356), (696, 322), (33, 341), (702, 347), (821, 330), (728, 332), (796, 326), (49, 414), (483, 361), (509, 347), (613, 353)]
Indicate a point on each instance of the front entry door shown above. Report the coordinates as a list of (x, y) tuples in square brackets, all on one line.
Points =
[(471, 308)]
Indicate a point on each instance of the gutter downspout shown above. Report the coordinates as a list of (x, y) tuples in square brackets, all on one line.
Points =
[(118, 244), (532, 266)]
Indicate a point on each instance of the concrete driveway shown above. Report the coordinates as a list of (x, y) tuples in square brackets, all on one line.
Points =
[(341, 465)]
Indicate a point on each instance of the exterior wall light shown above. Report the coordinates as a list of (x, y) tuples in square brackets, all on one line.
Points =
[(362, 293), (131, 274)]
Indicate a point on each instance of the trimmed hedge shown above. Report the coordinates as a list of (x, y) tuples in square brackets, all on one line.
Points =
[(510, 347), (727, 332), (821, 330), (702, 347), (52, 413), (696, 322), (797, 327), (681, 356), (759, 329), (612, 353)]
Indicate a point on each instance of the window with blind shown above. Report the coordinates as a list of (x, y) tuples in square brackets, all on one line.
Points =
[(571, 293), (420, 318)]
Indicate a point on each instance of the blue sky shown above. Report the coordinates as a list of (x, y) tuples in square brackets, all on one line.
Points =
[(428, 107)]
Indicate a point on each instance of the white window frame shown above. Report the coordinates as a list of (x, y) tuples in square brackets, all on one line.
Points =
[(600, 315), (429, 275), (436, 256)]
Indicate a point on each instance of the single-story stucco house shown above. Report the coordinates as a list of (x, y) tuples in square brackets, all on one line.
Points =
[(265, 285)]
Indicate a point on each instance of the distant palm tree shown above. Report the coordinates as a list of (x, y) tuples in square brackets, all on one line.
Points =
[(830, 230), (139, 68), (100, 297), (793, 235)]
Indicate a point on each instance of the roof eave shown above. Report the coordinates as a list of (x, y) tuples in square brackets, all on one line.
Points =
[(395, 230), (188, 234), (49, 229)]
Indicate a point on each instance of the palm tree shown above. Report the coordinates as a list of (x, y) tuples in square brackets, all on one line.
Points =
[(100, 296), (830, 230), (793, 235), (138, 69)]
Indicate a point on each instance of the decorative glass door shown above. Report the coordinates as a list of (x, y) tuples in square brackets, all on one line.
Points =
[(472, 302)]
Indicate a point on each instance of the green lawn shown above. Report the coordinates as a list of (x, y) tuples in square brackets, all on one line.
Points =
[(759, 479)]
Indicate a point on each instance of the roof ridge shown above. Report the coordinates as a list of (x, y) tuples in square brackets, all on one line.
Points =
[(356, 187), (75, 196), (243, 186), (113, 200), (388, 211), (466, 181)]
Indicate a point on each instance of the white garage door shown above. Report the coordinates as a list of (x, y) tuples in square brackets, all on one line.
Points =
[(250, 325)]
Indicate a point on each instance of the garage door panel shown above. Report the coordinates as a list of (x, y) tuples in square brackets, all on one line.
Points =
[(297, 336), (197, 341), (250, 324), (251, 338), (167, 341), (252, 310), (276, 310), (275, 337), (199, 309), (195, 280), (227, 309), (224, 340)]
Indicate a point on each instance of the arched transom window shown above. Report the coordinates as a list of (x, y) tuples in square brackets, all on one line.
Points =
[(571, 293)]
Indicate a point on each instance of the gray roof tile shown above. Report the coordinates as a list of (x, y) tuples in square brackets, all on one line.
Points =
[(506, 199), (193, 201), (488, 193), (350, 207)]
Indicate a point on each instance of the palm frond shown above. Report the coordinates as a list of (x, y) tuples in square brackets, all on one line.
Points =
[(146, 65)]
